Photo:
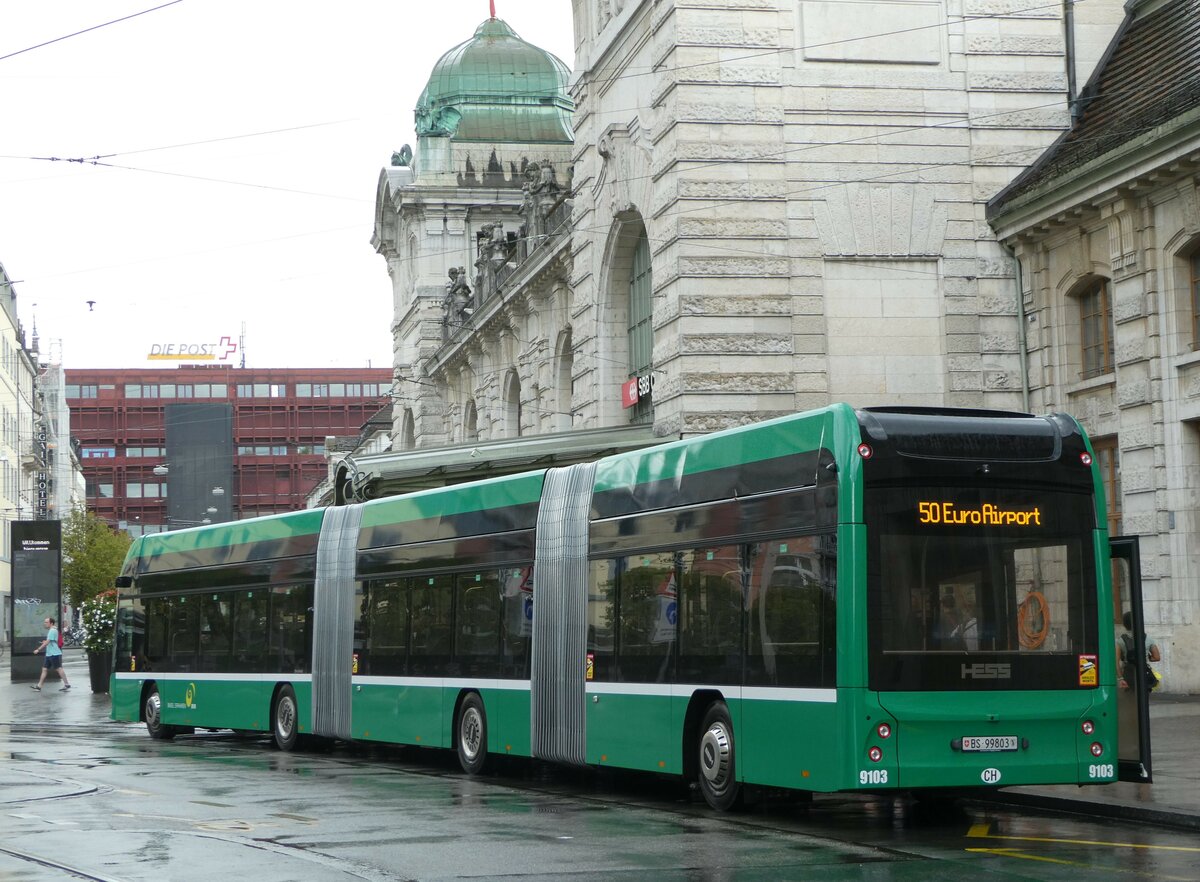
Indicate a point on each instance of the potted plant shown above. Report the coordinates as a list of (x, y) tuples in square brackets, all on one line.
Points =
[(99, 616)]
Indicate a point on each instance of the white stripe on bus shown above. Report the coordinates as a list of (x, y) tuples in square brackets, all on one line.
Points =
[(142, 676), (666, 690), (442, 682), (745, 693)]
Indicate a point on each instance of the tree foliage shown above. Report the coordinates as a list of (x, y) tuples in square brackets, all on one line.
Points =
[(92, 556)]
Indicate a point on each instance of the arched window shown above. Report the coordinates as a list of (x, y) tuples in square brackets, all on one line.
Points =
[(641, 330), (512, 406), (408, 431), (1095, 329), (470, 422), (1194, 279), (564, 383)]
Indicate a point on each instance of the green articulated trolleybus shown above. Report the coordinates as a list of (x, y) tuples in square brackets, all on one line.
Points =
[(839, 600)]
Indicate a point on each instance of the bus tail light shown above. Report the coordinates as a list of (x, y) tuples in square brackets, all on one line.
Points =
[(884, 730), (875, 754), (1097, 748), (1088, 727)]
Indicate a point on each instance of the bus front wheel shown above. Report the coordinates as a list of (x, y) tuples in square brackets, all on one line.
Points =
[(152, 714), (718, 770), (284, 719), (472, 735)]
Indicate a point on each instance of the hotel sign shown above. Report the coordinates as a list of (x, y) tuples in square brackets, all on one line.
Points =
[(42, 453)]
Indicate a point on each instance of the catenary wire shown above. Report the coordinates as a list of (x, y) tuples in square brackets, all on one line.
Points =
[(89, 30)]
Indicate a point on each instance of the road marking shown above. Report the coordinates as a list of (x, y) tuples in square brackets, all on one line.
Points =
[(1015, 853), (1012, 852), (981, 831)]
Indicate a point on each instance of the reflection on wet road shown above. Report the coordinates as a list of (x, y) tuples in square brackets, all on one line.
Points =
[(107, 803)]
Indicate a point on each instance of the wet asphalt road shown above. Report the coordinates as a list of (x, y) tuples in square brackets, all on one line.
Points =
[(84, 798)]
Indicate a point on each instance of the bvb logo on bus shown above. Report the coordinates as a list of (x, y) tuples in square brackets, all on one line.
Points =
[(189, 697)]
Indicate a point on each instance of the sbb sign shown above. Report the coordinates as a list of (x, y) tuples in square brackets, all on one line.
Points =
[(635, 389)]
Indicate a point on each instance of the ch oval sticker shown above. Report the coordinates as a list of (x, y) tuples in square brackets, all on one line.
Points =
[(990, 776)]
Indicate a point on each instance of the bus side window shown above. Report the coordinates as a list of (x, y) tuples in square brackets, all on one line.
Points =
[(216, 633), (387, 627), (602, 621), (431, 609), (647, 611), (291, 628), (158, 623), (710, 616), (184, 633), (517, 588), (250, 635), (477, 622), (792, 613)]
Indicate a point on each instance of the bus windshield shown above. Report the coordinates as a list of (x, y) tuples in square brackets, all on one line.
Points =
[(980, 588)]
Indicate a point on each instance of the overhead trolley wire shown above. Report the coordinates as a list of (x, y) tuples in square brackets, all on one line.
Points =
[(89, 30)]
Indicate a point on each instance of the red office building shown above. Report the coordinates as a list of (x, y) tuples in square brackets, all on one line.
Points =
[(168, 448)]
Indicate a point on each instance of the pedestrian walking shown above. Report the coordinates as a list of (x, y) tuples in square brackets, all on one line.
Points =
[(54, 656)]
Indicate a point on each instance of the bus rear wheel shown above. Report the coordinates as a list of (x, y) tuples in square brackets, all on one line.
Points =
[(152, 714), (717, 759), (284, 719), (472, 735)]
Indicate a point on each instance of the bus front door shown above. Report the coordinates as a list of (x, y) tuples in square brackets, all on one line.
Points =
[(1133, 703)]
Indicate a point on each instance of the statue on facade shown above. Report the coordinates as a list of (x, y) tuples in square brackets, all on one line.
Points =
[(457, 302), (402, 158)]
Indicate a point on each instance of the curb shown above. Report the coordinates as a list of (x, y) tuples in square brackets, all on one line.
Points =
[(1114, 810)]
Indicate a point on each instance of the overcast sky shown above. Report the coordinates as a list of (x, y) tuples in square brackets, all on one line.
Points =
[(268, 224)]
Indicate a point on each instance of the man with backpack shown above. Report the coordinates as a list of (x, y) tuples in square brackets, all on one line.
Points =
[(1125, 658), (54, 656)]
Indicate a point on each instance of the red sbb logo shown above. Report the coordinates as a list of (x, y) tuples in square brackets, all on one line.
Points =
[(635, 389)]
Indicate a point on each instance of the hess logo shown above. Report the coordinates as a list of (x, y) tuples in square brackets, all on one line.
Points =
[(987, 672)]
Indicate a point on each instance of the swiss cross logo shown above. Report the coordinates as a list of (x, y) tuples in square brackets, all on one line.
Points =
[(629, 392)]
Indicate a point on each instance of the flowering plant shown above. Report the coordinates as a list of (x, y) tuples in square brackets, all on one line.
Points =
[(99, 616)]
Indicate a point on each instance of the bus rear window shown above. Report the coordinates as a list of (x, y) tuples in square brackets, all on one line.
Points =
[(980, 588)]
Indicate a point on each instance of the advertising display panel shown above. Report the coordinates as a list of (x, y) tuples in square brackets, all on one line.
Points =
[(36, 556)]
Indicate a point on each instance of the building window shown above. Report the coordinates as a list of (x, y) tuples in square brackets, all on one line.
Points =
[(641, 331), (1095, 325), (146, 490), (1108, 460), (512, 406), (98, 453), (257, 390), (1194, 264), (470, 422), (139, 452), (85, 391)]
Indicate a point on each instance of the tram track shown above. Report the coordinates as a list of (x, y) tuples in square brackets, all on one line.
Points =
[(50, 864)]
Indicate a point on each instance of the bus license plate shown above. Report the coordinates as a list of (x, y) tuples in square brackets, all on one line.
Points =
[(990, 742)]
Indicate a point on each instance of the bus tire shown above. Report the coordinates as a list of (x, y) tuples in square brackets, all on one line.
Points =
[(471, 736), (285, 719), (717, 760), (152, 714)]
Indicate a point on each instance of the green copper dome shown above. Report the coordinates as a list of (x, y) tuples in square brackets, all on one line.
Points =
[(496, 87)]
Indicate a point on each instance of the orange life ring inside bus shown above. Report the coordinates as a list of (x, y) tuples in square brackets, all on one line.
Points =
[(1033, 620)]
